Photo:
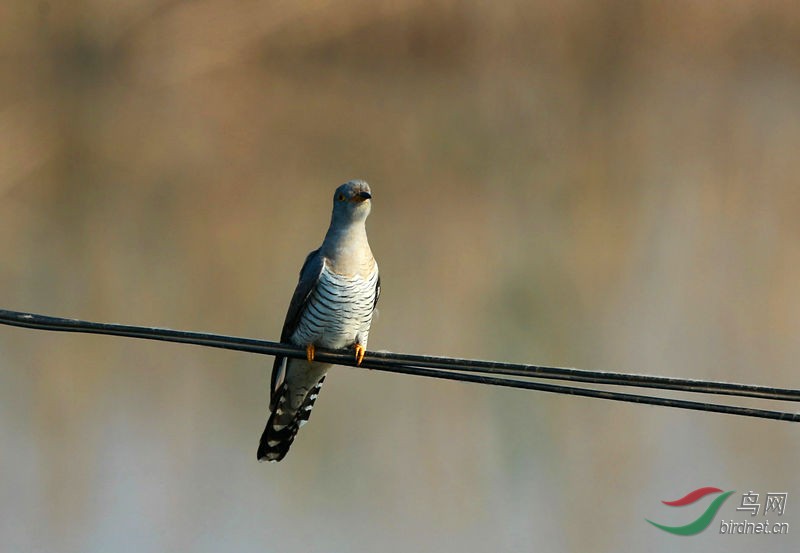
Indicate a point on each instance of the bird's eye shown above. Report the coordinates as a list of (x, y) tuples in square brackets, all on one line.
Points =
[(341, 197)]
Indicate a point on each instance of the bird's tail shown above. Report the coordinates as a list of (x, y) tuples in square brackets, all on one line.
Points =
[(284, 422)]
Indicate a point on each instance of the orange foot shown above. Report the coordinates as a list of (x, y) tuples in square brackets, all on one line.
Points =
[(360, 351), (310, 352)]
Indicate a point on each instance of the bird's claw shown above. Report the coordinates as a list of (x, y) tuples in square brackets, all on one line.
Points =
[(310, 352), (360, 351)]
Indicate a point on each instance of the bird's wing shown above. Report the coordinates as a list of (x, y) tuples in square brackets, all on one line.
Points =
[(309, 276), (377, 292)]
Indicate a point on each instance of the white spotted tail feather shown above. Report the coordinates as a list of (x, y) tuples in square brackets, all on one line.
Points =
[(284, 423), (332, 307)]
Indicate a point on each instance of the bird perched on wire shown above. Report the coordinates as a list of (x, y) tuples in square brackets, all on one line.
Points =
[(332, 307)]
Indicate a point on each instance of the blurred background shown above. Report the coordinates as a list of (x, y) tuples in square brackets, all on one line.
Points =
[(608, 185)]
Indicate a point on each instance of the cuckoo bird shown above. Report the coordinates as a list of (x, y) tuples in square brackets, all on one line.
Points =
[(332, 307)]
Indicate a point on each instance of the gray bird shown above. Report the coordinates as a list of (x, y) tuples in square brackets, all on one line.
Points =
[(332, 307)]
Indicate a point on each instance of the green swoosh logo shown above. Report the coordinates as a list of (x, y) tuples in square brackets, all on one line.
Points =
[(698, 525)]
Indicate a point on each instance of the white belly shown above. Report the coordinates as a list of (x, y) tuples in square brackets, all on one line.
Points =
[(339, 311)]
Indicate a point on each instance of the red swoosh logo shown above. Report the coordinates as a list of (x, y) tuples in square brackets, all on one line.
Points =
[(691, 497)]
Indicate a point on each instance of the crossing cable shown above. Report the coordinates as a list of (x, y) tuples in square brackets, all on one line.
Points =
[(466, 370)]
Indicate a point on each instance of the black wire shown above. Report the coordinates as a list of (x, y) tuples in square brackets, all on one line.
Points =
[(594, 377), (601, 394), (44, 322), (447, 368)]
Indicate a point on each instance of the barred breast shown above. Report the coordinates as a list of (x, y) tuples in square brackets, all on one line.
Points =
[(339, 311)]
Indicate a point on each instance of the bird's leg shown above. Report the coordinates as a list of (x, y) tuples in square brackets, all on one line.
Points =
[(360, 351), (310, 352)]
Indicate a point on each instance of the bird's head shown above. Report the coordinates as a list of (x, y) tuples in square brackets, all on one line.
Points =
[(352, 201)]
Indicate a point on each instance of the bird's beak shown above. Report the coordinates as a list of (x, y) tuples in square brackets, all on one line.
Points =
[(361, 196)]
